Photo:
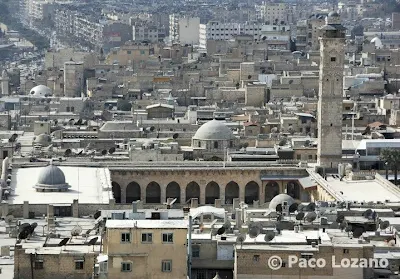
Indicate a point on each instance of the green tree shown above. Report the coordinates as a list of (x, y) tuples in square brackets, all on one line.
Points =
[(392, 158)]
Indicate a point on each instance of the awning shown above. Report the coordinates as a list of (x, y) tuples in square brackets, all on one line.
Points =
[(280, 177), (307, 182), (102, 258)]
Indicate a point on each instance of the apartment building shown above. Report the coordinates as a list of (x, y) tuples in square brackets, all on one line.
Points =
[(184, 30), (276, 13), (147, 32), (154, 249)]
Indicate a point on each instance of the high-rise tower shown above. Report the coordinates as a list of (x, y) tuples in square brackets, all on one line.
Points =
[(330, 97), (4, 83)]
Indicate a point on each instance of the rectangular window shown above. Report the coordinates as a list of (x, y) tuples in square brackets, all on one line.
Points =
[(333, 59), (142, 52), (166, 266), (167, 237), (196, 251), (39, 264), (126, 267), (256, 258), (79, 265), (147, 237), (298, 157), (345, 251), (129, 52), (125, 237)]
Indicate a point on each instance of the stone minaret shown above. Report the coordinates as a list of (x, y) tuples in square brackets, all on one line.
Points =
[(4, 83), (330, 96)]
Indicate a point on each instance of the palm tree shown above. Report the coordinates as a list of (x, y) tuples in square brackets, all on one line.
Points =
[(392, 158)]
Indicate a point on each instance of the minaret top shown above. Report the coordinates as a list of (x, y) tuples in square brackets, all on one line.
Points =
[(333, 27)]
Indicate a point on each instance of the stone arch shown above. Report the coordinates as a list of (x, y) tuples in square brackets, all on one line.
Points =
[(271, 190), (212, 192), (174, 191), (153, 193), (116, 190), (192, 191), (251, 192), (133, 192), (293, 189), (231, 192)]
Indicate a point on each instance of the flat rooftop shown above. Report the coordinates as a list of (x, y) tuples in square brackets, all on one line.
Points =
[(88, 185), (362, 190)]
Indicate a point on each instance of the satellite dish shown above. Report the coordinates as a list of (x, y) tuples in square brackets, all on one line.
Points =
[(269, 235), (214, 232), (23, 234), (221, 230), (175, 136), (340, 218), (300, 207), (384, 225), (9, 219), (23, 226), (97, 215), (63, 242), (311, 216), (310, 207), (368, 213), (392, 243), (241, 238), (104, 152), (293, 207), (358, 232), (93, 241), (111, 150), (300, 216), (68, 152), (77, 230), (227, 225), (349, 228), (254, 230)]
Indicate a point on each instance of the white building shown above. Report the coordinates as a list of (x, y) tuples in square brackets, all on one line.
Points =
[(281, 13), (184, 29), (148, 33), (277, 36)]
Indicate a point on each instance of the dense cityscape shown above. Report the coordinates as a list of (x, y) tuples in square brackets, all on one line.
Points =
[(199, 139)]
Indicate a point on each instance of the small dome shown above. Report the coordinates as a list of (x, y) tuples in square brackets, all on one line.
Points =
[(333, 14), (51, 178), (40, 91), (42, 139), (214, 130), (279, 200)]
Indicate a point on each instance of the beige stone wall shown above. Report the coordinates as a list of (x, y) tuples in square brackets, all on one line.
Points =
[(146, 258), (55, 266)]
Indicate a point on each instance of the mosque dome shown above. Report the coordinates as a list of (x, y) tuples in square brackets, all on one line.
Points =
[(42, 139), (51, 178), (279, 200), (40, 91), (333, 14), (214, 130)]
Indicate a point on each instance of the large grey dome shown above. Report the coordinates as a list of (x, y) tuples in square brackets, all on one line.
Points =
[(279, 200), (40, 91), (214, 130), (333, 14), (51, 178)]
